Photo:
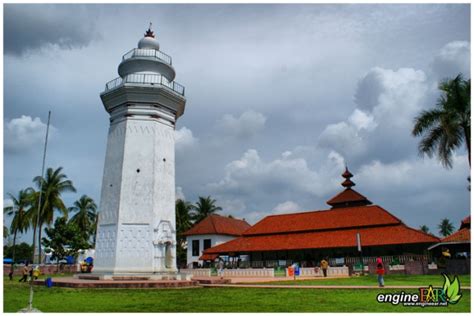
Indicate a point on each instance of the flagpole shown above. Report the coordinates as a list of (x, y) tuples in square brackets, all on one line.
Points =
[(30, 302)]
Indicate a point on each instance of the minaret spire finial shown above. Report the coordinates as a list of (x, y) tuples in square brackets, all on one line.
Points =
[(149, 32), (347, 175)]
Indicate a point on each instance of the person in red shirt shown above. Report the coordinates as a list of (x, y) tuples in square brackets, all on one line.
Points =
[(380, 271)]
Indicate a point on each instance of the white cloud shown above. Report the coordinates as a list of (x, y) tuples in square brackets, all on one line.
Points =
[(343, 137), (184, 138), (336, 159), (387, 101), (286, 207), (389, 96), (232, 206), (247, 125), (401, 97), (454, 58), (254, 181), (361, 120), (180, 194), (7, 202), (24, 133), (412, 174), (250, 172), (419, 191)]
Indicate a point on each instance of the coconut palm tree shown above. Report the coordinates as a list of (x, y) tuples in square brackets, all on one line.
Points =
[(19, 210), (446, 228), (448, 126), (425, 229), (183, 215), (183, 223), (51, 186), (86, 212), (95, 222), (203, 208)]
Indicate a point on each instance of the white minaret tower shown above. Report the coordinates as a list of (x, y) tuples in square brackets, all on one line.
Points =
[(137, 232)]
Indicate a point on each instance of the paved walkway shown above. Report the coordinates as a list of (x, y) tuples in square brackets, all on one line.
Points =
[(81, 283), (354, 287), (239, 280)]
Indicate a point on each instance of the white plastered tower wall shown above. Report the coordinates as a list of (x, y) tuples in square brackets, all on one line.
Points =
[(137, 229)]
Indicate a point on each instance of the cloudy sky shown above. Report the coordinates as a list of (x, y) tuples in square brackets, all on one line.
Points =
[(279, 99)]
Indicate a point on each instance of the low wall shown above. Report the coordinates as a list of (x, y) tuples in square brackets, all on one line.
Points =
[(416, 267), (318, 272), (309, 272), (44, 269), (458, 266), (249, 273), (267, 273), (410, 268), (338, 271), (197, 272)]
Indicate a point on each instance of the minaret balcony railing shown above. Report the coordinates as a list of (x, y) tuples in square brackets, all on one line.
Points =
[(137, 52), (144, 79)]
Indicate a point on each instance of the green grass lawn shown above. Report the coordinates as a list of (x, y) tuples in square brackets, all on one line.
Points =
[(208, 300), (394, 279)]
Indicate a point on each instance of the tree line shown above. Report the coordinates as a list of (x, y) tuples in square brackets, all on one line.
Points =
[(45, 198), (445, 228)]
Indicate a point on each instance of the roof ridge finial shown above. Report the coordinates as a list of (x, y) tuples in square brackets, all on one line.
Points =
[(347, 175), (149, 32)]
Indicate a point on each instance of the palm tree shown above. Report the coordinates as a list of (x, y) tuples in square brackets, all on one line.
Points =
[(203, 208), (19, 210), (86, 213), (95, 222), (183, 216), (425, 229), (448, 126), (183, 223), (6, 234), (445, 227), (52, 186)]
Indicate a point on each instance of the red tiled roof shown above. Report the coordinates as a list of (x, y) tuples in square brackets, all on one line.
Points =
[(219, 225), (360, 216), (372, 236), (348, 196), (210, 257), (463, 234)]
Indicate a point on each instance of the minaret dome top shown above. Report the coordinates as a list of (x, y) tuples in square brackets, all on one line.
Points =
[(149, 41)]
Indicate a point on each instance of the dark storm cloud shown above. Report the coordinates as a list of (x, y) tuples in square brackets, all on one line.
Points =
[(32, 27)]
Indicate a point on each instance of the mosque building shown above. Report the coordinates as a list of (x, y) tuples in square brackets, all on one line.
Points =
[(351, 228)]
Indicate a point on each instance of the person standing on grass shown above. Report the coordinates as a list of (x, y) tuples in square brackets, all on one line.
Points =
[(324, 267), (220, 265), (25, 273), (380, 272)]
